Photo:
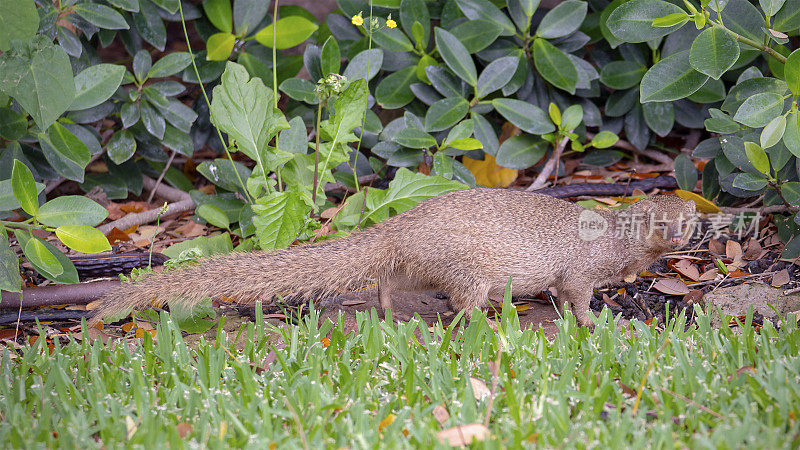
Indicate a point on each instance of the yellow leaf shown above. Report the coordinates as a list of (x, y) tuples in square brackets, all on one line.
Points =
[(385, 422), (703, 205), (488, 173)]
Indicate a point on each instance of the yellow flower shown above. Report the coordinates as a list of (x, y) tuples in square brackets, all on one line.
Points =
[(357, 20), (391, 23)]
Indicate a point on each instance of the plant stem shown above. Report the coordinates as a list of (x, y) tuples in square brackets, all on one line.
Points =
[(316, 153), (275, 79), (751, 42), (208, 104), (364, 117)]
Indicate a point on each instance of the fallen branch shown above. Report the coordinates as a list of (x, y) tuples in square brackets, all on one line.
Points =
[(162, 190), (147, 216), (58, 294), (548, 168), (667, 162), (774, 209), (29, 316)]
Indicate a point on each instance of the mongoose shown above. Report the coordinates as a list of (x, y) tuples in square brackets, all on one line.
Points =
[(465, 243)]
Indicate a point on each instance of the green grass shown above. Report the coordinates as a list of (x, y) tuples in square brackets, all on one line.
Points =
[(568, 392)]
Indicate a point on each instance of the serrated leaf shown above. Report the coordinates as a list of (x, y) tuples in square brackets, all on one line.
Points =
[(279, 218), (38, 76), (406, 191)]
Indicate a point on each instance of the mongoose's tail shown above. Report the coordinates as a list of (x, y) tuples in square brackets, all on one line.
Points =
[(304, 271)]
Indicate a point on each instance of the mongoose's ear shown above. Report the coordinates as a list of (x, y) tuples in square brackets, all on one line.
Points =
[(644, 206)]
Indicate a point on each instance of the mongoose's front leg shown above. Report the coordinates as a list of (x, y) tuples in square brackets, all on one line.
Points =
[(578, 295)]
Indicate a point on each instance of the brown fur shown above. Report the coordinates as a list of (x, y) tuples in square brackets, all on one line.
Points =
[(465, 243)]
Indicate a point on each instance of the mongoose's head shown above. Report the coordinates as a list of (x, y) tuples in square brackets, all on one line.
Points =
[(664, 221)]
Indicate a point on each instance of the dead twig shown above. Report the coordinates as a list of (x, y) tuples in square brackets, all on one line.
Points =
[(549, 167), (161, 177), (147, 216)]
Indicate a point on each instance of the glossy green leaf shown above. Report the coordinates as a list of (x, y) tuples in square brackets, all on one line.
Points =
[(791, 72), (39, 255), (82, 238), (414, 138), (24, 188), (749, 181), (330, 59), (213, 215), (169, 65), (604, 139), (219, 14), (773, 132), (476, 34), (496, 75), (392, 40), (71, 209), (357, 67), (300, 90), (291, 31), (456, 57), (527, 117), (219, 46), (757, 157), (96, 84), (659, 116), (7, 200), (622, 74), (101, 15), (685, 173), (521, 152), (757, 111), (64, 273), (394, 91), (791, 137), (713, 52), (65, 152), (554, 66), (633, 21), (445, 113), (465, 144), (562, 20), (483, 9), (672, 78)]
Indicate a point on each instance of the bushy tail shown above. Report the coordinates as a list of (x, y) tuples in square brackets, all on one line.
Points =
[(305, 271)]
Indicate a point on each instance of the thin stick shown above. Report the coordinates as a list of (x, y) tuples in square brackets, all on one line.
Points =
[(161, 177), (495, 371), (692, 402), (548, 168), (647, 373), (297, 423)]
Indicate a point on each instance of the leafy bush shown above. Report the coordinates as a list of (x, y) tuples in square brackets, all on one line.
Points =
[(740, 51)]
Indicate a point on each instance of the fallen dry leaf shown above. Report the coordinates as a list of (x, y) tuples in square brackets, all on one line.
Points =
[(733, 249), (463, 435), (780, 278), (709, 275), (183, 429), (687, 269), (716, 247), (694, 296), (753, 251), (385, 422), (353, 302), (702, 205), (488, 173), (479, 388), (608, 301), (630, 278), (671, 286), (440, 414)]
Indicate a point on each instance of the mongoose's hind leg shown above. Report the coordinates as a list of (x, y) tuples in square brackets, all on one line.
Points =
[(578, 295)]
